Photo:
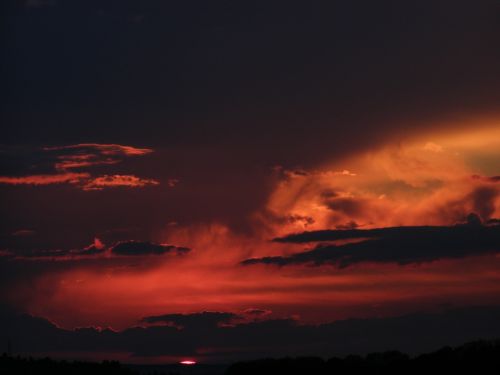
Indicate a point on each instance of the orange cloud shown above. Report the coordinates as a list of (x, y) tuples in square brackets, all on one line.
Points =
[(416, 183), (48, 179), (106, 149), (90, 154), (117, 180), (64, 159)]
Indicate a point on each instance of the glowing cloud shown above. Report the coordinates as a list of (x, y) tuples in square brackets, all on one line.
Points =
[(63, 160), (117, 180), (105, 149), (70, 178), (433, 183)]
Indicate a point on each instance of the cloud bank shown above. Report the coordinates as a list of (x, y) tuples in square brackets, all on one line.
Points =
[(401, 245)]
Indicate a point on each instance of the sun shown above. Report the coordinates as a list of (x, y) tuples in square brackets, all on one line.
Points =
[(188, 363)]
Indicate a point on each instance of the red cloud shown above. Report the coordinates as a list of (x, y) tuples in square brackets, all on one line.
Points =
[(105, 149), (63, 159), (117, 180), (90, 154), (47, 179)]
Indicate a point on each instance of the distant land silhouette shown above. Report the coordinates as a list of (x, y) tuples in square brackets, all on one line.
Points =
[(472, 357), (413, 334)]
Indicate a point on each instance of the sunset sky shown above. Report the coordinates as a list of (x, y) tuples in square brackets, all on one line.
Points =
[(160, 162)]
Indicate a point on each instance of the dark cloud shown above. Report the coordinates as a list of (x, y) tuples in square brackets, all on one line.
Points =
[(56, 254), (483, 200), (413, 333), (97, 247), (192, 321), (349, 225), (257, 312), (492, 179), (304, 220), (402, 245), (127, 248), (348, 206), (137, 248)]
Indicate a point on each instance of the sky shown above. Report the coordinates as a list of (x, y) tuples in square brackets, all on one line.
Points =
[(215, 181)]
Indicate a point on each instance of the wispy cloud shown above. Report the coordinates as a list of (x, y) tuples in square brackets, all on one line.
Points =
[(47, 179), (71, 165)]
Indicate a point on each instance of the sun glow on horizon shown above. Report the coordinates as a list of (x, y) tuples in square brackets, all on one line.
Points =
[(188, 363)]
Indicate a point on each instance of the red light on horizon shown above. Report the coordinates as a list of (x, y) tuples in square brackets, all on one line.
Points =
[(188, 363)]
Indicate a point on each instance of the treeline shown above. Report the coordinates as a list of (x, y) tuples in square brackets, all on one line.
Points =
[(30, 366), (475, 357), (482, 357)]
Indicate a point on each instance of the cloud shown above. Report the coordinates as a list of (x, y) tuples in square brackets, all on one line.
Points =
[(410, 183), (209, 341), (90, 154), (23, 233), (492, 179), (431, 146), (350, 207), (190, 321), (99, 249), (136, 248), (483, 200), (57, 254), (401, 245), (83, 180), (208, 318), (172, 182), (48, 179), (257, 313), (64, 165), (105, 149), (117, 180)]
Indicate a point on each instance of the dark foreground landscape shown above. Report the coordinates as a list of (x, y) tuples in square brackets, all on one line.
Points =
[(477, 356)]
